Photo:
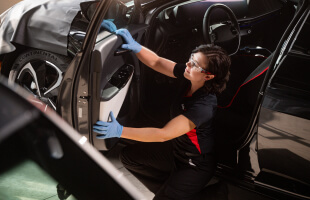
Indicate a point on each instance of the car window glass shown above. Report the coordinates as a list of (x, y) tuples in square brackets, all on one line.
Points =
[(294, 70), (119, 13), (26, 180)]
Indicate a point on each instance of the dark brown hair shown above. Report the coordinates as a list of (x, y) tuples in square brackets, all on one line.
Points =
[(218, 64)]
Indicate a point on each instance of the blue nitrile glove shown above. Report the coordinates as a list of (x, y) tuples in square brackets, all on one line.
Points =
[(108, 129), (131, 43), (108, 25)]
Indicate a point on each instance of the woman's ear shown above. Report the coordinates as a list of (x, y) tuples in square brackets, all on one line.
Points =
[(209, 77)]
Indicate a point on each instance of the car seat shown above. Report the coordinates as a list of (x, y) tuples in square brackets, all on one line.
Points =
[(235, 108)]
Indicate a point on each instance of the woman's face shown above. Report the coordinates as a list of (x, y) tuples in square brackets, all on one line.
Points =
[(195, 70)]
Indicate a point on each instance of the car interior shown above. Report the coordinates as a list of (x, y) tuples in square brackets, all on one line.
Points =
[(178, 44), (177, 30), (249, 30), (173, 31)]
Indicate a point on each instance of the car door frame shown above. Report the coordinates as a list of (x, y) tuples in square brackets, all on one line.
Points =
[(79, 90), (273, 117), (274, 61), (247, 156), (69, 91)]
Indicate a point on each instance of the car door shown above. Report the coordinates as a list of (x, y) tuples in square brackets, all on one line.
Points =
[(114, 76), (284, 126), (99, 78)]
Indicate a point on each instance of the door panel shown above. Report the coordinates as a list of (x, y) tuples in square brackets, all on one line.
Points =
[(114, 93), (112, 99), (114, 71)]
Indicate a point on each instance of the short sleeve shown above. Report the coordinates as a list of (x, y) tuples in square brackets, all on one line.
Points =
[(200, 114), (178, 70)]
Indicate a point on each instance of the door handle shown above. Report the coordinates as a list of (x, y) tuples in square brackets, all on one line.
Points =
[(121, 51)]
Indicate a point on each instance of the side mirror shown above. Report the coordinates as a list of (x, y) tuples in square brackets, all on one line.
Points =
[(88, 9)]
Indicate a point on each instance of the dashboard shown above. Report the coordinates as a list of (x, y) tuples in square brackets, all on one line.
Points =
[(193, 13)]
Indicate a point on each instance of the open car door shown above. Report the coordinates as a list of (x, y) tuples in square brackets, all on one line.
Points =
[(283, 129), (114, 69), (102, 79)]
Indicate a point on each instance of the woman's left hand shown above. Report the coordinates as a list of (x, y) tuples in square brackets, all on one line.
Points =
[(108, 25)]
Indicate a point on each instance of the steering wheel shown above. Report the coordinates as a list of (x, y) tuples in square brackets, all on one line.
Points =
[(226, 35)]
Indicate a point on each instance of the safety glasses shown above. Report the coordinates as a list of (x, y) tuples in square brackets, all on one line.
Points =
[(195, 65)]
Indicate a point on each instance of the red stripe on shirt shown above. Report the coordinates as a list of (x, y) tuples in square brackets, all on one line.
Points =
[(192, 135)]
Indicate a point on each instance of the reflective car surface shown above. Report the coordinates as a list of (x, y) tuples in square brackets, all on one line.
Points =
[(42, 157), (263, 116)]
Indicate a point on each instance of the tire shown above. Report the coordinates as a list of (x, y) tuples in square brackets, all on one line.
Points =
[(8, 60), (40, 73)]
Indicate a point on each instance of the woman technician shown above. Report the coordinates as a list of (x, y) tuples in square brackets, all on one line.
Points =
[(176, 161)]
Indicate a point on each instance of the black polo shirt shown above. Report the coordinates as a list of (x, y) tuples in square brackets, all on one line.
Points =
[(200, 108)]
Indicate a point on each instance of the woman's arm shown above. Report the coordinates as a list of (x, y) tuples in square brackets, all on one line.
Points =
[(174, 128), (159, 64), (147, 56)]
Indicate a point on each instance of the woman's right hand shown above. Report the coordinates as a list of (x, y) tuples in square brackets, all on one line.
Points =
[(131, 43)]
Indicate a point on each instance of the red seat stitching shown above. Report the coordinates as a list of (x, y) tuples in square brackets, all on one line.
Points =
[(240, 88)]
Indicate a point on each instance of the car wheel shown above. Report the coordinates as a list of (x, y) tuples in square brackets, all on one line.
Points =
[(40, 73)]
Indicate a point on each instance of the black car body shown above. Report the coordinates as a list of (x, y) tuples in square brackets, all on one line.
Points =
[(40, 151), (263, 116)]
